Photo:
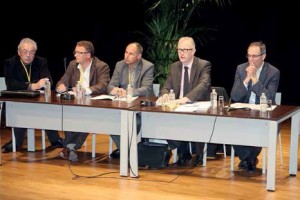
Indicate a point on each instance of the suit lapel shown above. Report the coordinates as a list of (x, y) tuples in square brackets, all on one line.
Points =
[(137, 74), (263, 73), (177, 79), (92, 71)]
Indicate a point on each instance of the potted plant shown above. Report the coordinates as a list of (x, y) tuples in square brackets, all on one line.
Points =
[(168, 20)]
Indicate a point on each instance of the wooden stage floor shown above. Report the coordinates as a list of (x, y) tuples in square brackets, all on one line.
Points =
[(42, 175)]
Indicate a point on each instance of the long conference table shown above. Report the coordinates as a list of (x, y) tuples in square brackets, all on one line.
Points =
[(238, 127), (87, 115), (115, 117)]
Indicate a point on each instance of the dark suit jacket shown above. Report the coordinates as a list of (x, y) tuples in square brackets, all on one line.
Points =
[(99, 76), (200, 80), (16, 77), (143, 82), (268, 83)]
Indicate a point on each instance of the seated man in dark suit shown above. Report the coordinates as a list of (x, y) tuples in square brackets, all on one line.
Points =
[(196, 87), (26, 71), (251, 80)]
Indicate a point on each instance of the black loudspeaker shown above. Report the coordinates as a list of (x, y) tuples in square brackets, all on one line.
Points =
[(153, 155)]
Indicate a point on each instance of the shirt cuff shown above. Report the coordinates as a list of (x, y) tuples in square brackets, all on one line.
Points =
[(88, 91)]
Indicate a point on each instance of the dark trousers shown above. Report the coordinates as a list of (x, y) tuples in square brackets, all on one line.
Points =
[(116, 138), (53, 136), (184, 147), (76, 138), (213, 149), (247, 153)]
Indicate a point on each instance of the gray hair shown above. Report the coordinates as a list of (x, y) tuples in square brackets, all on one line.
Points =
[(27, 41)]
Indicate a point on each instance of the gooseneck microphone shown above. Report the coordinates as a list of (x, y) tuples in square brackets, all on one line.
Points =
[(65, 63), (229, 108)]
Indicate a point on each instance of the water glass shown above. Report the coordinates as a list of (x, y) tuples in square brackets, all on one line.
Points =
[(221, 102), (269, 105)]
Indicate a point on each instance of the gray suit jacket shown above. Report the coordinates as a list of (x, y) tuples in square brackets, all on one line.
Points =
[(200, 80), (268, 83), (143, 81), (99, 76)]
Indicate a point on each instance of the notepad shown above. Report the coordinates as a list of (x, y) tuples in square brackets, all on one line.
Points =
[(201, 105), (111, 97)]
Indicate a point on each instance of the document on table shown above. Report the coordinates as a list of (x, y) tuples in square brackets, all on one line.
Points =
[(201, 105), (248, 105), (111, 97)]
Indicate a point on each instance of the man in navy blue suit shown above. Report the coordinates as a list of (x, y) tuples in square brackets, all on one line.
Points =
[(251, 80)]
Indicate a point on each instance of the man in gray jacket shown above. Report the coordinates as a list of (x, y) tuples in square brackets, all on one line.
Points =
[(137, 72)]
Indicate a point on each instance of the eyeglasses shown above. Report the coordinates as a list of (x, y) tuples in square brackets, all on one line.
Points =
[(253, 56), (80, 52), (183, 50), (25, 52)]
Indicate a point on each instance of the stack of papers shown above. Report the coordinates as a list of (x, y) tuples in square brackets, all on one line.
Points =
[(111, 97), (202, 105), (249, 105)]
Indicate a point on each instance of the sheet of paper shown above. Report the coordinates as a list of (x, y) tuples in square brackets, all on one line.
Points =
[(201, 105), (104, 97), (248, 105), (111, 97)]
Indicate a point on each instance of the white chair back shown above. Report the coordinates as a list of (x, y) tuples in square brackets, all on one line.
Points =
[(2, 83), (278, 98), (156, 87)]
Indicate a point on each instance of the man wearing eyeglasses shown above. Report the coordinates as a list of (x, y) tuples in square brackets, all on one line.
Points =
[(93, 75), (26, 71), (251, 80), (197, 87)]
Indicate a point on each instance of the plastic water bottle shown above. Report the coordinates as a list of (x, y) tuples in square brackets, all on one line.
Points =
[(171, 95), (263, 102), (79, 91), (214, 99), (129, 93), (47, 88)]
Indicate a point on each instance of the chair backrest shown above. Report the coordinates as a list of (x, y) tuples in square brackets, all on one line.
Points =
[(2, 83), (221, 91), (278, 98), (156, 87)]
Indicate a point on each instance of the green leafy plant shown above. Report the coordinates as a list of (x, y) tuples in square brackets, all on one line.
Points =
[(166, 22)]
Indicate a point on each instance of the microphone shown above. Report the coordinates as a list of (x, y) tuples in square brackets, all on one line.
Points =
[(229, 108), (65, 63)]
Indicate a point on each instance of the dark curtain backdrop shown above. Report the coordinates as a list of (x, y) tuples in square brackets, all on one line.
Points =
[(113, 25)]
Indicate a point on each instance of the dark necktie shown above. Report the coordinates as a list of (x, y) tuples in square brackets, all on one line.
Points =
[(186, 82)]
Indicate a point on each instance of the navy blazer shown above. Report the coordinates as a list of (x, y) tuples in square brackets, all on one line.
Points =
[(268, 83)]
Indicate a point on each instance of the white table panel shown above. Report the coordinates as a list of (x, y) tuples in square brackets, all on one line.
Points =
[(34, 115)]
